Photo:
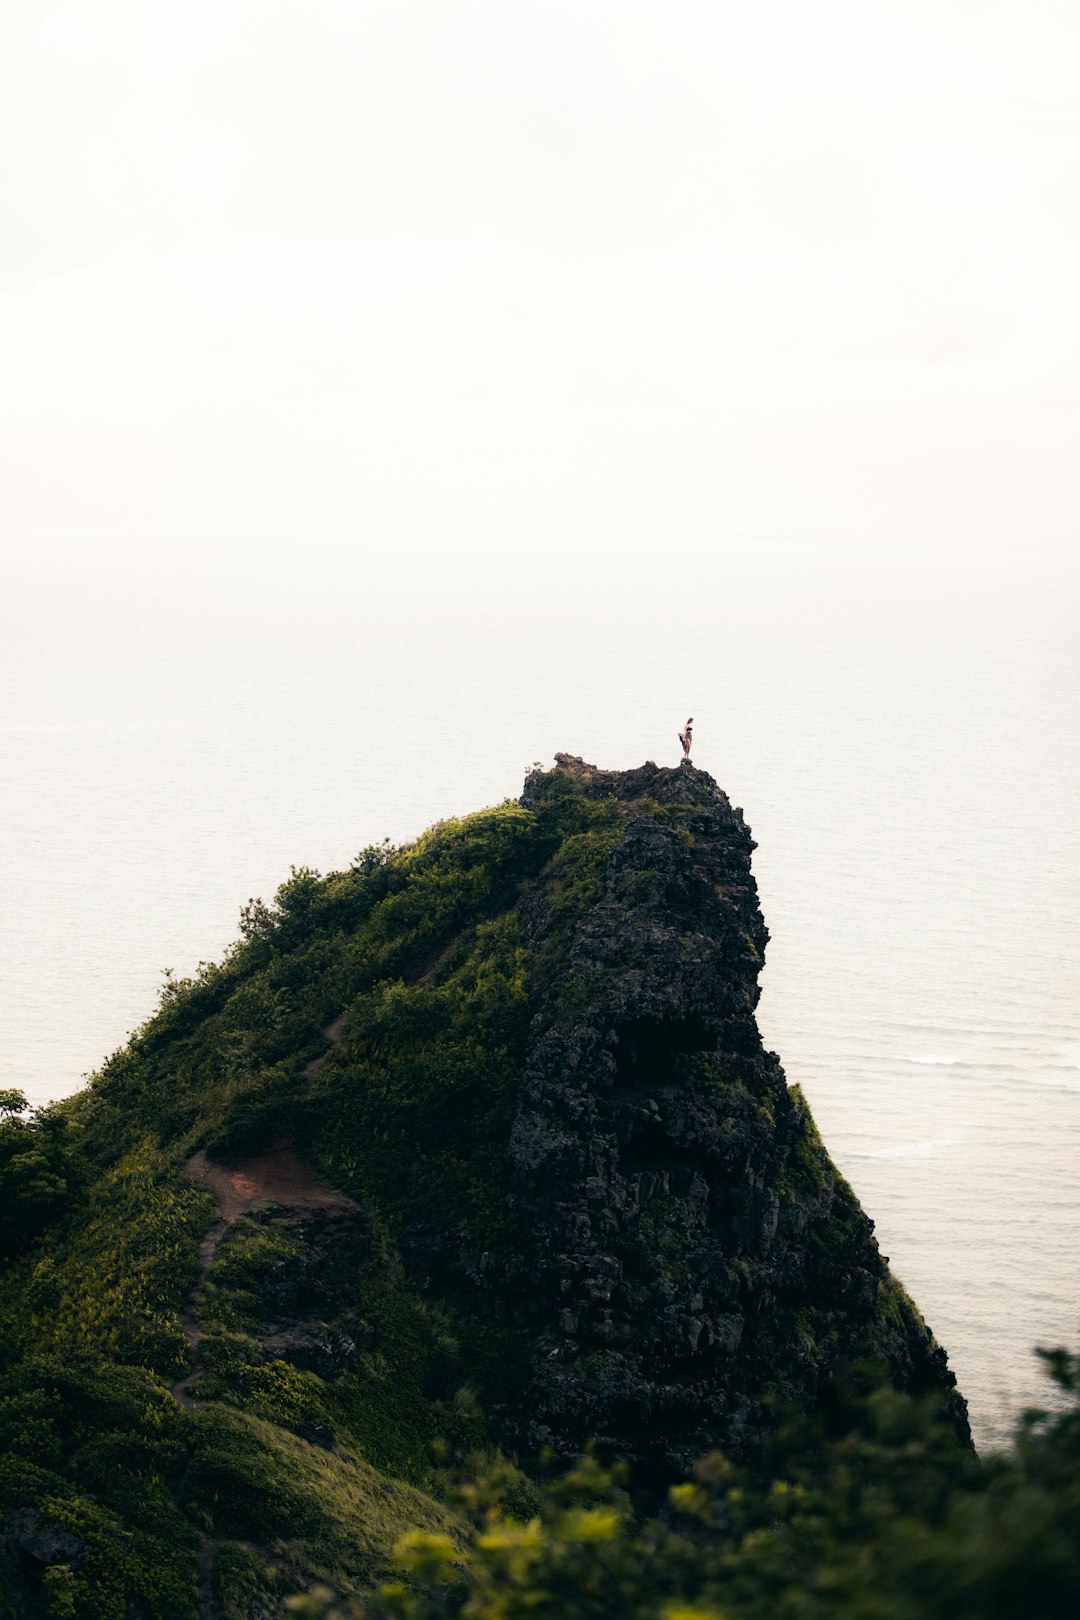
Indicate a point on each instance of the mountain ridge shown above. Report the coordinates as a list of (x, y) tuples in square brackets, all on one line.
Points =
[(574, 1202)]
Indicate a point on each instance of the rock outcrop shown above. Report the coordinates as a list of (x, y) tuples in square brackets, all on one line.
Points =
[(689, 1249)]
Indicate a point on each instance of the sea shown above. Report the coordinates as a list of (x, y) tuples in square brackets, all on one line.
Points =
[(900, 726)]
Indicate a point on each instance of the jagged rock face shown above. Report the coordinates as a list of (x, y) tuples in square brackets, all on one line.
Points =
[(688, 1246)]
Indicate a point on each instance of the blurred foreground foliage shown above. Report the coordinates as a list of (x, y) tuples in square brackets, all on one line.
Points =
[(866, 1511)]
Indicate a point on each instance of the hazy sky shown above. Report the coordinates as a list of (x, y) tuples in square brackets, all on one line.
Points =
[(346, 289)]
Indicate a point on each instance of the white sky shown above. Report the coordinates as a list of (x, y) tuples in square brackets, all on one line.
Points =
[(409, 289)]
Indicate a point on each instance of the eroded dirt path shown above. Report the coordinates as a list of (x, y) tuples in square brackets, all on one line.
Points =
[(333, 1035), (278, 1176), (188, 1320), (207, 1607)]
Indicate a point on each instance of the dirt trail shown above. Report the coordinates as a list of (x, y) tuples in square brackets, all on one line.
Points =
[(188, 1320), (426, 970), (207, 1606), (333, 1035), (279, 1176)]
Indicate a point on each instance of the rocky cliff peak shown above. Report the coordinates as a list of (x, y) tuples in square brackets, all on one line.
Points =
[(689, 1248)]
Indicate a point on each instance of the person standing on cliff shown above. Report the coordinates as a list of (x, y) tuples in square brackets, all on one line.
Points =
[(686, 738)]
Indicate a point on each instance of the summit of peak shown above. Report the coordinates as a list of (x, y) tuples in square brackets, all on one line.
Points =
[(667, 784)]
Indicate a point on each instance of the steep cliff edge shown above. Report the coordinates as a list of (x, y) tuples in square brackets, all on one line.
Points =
[(691, 1249), (475, 1144)]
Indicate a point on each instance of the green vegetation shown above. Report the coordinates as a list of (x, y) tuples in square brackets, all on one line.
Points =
[(107, 1283), (808, 1168), (96, 1453), (427, 1082), (866, 1512), (229, 1296), (39, 1169), (577, 873), (249, 1478), (305, 1410)]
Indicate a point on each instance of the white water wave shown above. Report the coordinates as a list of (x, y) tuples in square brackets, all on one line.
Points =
[(916, 1150)]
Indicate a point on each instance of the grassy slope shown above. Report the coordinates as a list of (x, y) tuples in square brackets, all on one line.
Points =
[(89, 1324)]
